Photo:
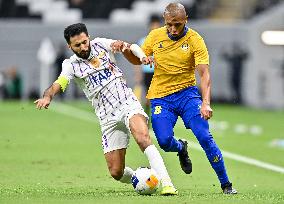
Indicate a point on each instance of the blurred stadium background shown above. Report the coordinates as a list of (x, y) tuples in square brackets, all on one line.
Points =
[(31, 39), (26, 23)]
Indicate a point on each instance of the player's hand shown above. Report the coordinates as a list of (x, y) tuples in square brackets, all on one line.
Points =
[(42, 103), (119, 46), (148, 60), (206, 111)]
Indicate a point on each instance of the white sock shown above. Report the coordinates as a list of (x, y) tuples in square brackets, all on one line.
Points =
[(157, 163), (126, 178)]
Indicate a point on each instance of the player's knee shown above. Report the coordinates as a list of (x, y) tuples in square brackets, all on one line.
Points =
[(203, 136), (116, 173), (204, 140), (143, 140), (165, 144)]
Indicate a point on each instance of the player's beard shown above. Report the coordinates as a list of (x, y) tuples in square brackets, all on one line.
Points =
[(83, 54)]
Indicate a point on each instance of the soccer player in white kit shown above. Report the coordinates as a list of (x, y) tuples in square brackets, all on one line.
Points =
[(93, 68)]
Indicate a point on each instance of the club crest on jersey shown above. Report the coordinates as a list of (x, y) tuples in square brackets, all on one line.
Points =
[(160, 45), (185, 46), (95, 61)]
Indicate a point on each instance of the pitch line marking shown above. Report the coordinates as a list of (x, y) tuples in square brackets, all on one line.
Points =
[(244, 159), (91, 117)]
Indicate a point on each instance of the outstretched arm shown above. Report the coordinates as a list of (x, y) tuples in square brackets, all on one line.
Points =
[(205, 110), (132, 52), (49, 93), (128, 54)]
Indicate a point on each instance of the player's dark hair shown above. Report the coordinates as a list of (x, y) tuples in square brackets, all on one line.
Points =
[(74, 29)]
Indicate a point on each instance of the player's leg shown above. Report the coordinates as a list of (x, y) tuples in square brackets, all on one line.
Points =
[(116, 165), (200, 128), (163, 122), (115, 140), (139, 129)]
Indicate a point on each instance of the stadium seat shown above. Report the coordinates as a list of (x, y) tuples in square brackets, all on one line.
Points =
[(141, 10), (62, 16), (123, 15)]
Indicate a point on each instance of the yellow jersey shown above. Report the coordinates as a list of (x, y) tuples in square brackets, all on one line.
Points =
[(175, 60)]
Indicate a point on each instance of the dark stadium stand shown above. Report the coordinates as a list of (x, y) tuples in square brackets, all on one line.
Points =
[(102, 8), (9, 9), (90, 8), (99, 8)]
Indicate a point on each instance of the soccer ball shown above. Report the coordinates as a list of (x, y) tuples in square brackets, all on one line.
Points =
[(145, 181)]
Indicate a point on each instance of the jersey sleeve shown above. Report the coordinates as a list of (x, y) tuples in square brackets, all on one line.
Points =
[(65, 76), (201, 55), (105, 42), (147, 46)]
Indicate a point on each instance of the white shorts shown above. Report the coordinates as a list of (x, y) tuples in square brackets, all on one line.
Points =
[(115, 126)]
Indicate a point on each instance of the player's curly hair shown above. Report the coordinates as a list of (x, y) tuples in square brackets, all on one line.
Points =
[(74, 29)]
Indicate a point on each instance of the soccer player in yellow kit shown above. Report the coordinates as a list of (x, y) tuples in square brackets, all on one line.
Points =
[(178, 51)]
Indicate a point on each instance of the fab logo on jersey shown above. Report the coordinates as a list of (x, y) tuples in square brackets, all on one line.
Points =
[(100, 77)]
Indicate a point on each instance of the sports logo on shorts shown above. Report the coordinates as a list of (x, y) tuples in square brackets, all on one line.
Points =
[(158, 110)]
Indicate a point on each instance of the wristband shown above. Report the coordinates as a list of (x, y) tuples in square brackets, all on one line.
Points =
[(137, 51)]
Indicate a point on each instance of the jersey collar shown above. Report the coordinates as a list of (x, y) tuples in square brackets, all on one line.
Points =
[(178, 37)]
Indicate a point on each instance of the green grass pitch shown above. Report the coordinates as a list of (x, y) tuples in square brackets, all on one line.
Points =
[(50, 157)]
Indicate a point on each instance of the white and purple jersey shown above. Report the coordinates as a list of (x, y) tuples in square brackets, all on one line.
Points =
[(98, 76)]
